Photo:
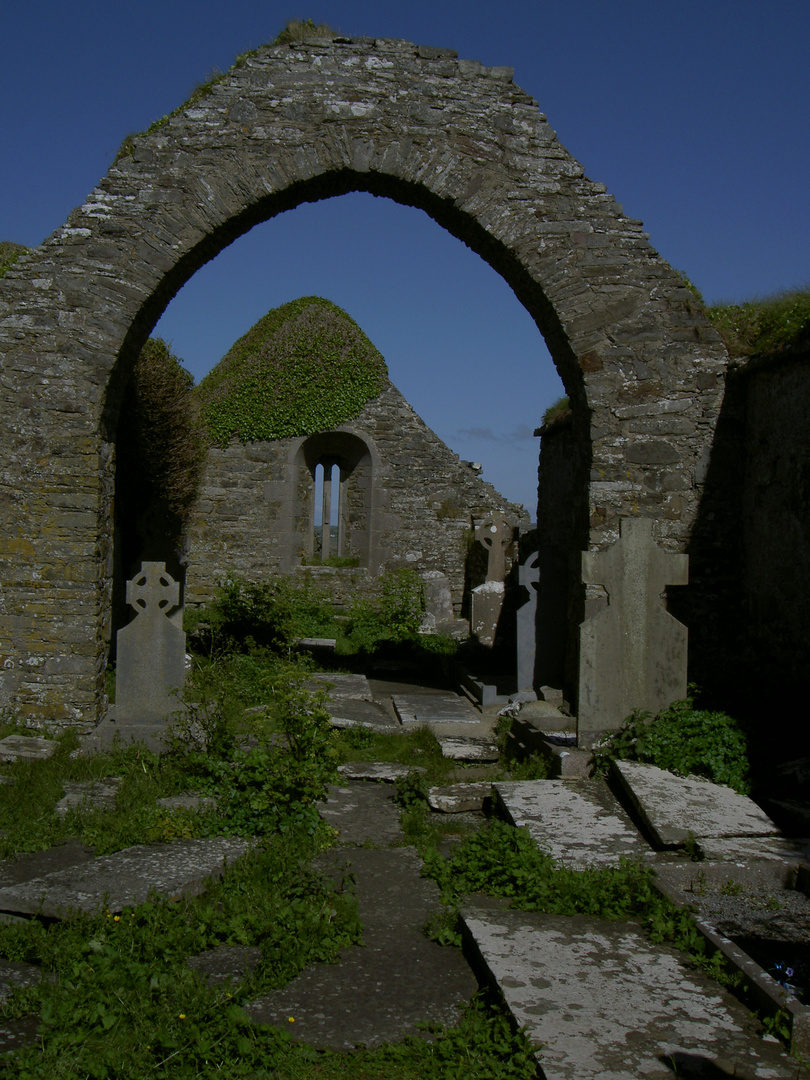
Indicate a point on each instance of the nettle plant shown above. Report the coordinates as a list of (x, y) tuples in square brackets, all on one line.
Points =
[(682, 740)]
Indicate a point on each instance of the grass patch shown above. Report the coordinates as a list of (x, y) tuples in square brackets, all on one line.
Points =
[(769, 325)]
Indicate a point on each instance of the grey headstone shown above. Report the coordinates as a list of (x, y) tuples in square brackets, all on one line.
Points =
[(438, 600), (633, 652), (578, 822), (675, 807), (151, 649), (26, 748), (178, 868), (529, 579), (495, 533), (487, 603), (599, 1000)]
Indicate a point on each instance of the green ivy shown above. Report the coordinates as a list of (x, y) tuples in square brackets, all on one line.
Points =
[(305, 367)]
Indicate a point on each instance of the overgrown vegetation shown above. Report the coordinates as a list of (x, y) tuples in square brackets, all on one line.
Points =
[(9, 253), (303, 30), (305, 367), (770, 325), (683, 740), (558, 411)]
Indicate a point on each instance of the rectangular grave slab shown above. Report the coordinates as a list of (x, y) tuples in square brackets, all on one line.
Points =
[(468, 748), (340, 685), (578, 822), (747, 849), (674, 807), (351, 712), (459, 798), (434, 709), (178, 868), (601, 1001), (26, 747)]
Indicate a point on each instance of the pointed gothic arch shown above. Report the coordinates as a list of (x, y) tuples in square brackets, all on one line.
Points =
[(299, 123)]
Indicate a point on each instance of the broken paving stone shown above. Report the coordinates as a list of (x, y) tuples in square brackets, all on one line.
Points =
[(178, 868), (226, 962), (386, 771), (599, 1000), (676, 808), (362, 813), (26, 748), (747, 849), (98, 794), (468, 748), (352, 713), (459, 798), (341, 685), (578, 822), (434, 709)]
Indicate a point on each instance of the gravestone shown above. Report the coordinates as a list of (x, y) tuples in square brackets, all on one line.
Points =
[(151, 649), (529, 579), (633, 652), (495, 533)]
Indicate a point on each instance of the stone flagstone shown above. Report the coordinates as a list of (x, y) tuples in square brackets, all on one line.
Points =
[(675, 807), (468, 748), (387, 771), (459, 798), (99, 794), (341, 685), (599, 1000), (434, 709), (178, 868), (578, 822), (362, 813), (26, 747), (353, 712)]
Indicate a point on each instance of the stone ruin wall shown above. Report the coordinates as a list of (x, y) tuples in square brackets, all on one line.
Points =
[(250, 517)]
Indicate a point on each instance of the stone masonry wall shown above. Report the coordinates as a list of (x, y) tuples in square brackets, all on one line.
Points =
[(423, 504), (296, 123)]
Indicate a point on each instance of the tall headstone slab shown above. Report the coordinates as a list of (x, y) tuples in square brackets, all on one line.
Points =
[(633, 653), (495, 533), (151, 649), (529, 579)]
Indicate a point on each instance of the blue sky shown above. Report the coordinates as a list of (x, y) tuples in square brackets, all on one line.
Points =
[(695, 115)]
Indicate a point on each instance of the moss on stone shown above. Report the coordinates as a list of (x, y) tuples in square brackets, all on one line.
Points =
[(305, 367), (9, 253)]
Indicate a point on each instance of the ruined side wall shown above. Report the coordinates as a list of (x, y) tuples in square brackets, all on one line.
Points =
[(423, 504)]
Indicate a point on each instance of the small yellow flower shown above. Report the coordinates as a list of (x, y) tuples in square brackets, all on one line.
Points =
[(117, 918), (291, 1019), (182, 1016)]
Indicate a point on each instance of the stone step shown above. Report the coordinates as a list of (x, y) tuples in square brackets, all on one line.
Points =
[(435, 708), (578, 822), (599, 1000)]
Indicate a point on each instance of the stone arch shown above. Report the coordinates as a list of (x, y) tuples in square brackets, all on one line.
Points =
[(298, 123)]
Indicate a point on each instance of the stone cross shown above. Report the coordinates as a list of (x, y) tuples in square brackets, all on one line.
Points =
[(151, 649), (529, 578), (495, 533), (632, 654)]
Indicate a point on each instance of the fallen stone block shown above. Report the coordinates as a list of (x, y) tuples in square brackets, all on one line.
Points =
[(578, 822), (387, 772), (459, 798), (468, 748), (341, 685), (113, 882), (26, 748), (676, 808), (98, 794)]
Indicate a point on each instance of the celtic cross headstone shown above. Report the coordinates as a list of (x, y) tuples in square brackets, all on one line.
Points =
[(529, 578), (495, 533), (632, 654), (151, 648)]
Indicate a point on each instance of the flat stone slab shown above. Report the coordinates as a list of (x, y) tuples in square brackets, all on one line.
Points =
[(601, 1001), (434, 709), (747, 849), (198, 803), (351, 713), (178, 868), (578, 822), (396, 981), (468, 748), (38, 863), (226, 963), (674, 807), (362, 813), (459, 798), (341, 685), (384, 771), (99, 794), (26, 748)]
